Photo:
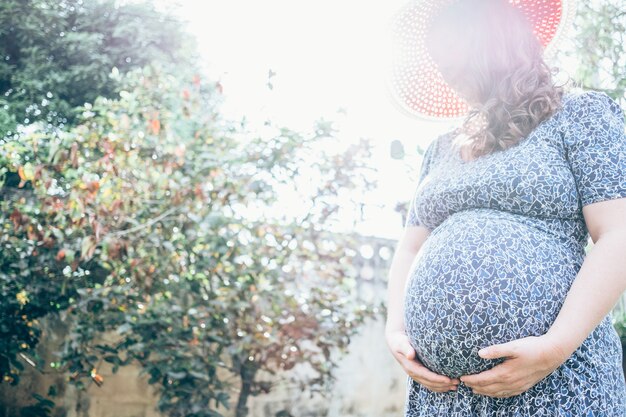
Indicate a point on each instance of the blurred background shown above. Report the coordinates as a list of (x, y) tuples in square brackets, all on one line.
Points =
[(200, 201)]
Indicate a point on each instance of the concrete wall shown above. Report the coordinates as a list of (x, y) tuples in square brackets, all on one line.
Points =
[(369, 384)]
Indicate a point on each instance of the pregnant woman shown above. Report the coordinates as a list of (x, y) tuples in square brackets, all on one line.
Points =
[(494, 308)]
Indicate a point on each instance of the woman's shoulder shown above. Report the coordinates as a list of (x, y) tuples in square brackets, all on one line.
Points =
[(435, 150), (435, 144), (441, 144), (580, 104), (591, 118)]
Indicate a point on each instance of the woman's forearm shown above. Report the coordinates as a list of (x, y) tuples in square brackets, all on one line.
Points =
[(599, 284), (400, 265)]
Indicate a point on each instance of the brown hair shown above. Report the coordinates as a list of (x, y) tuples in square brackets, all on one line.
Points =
[(499, 68)]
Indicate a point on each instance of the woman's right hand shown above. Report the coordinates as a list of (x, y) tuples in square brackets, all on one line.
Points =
[(398, 343)]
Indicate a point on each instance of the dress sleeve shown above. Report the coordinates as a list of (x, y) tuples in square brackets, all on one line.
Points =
[(595, 146), (412, 219)]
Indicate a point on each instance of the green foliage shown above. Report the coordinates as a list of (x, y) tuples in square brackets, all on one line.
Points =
[(620, 325), (58, 54), (598, 37), (42, 408), (154, 229)]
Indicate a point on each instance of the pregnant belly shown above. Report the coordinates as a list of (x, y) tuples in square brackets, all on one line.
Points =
[(483, 278)]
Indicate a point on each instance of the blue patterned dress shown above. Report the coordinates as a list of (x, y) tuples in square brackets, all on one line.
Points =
[(507, 240)]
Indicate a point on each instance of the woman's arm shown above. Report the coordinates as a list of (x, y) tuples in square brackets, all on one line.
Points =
[(403, 257), (397, 340), (601, 280)]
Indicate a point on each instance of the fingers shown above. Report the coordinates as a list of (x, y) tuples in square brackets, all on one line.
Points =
[(498, 391), (496, 382), (420, 371), (490, 389), (405, 354), (494, 375), (403, 346), (501, 389), (426, 377)]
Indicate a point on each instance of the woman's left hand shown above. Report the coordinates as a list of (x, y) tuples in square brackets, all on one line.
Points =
[(529, 360)]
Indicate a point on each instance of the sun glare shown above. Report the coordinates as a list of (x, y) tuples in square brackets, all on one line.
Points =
[(294, 62)]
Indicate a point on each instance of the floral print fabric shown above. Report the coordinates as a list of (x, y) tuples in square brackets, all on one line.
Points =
[(507, 240)]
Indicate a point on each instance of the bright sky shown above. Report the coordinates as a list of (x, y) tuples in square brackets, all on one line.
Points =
[(328, 57)]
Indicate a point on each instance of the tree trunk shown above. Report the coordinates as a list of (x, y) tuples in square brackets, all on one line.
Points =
[(247, 372)]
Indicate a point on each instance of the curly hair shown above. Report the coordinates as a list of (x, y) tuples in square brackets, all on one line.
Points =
[(487, 51)]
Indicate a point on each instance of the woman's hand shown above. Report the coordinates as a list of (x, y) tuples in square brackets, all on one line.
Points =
[(529, 360), (398, 343)]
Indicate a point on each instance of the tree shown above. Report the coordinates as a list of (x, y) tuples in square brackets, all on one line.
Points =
[(58, 54), (155, 228), (598, 46)]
